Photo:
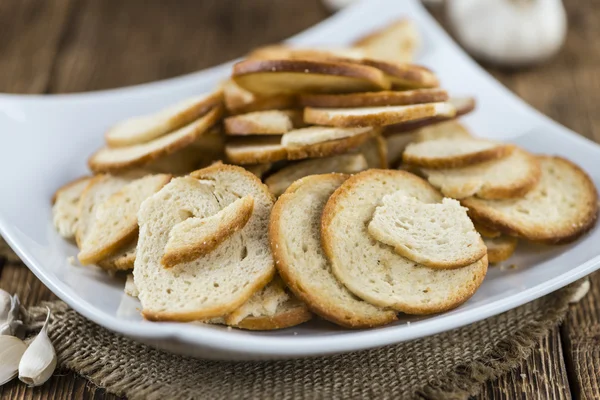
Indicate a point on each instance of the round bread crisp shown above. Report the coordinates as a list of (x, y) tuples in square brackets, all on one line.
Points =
[(560, 208), (271, 122), (65, 210), (117, 159), (454, 152), (294, 233), (372, 270), (405, 76), (239, 101), (375, 116), (275, 77), (328, 148), (373, 99), (218, 283), (256, 150), (500, 248)]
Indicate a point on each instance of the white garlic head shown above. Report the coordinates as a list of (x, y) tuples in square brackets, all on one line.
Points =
[(509, 32)]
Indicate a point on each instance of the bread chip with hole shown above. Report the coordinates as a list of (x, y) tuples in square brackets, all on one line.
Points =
[(198, 236)]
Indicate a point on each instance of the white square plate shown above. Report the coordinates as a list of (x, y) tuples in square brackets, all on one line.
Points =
[(47, 139)]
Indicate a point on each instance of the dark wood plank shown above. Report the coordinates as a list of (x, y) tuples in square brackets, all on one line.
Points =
[(30, 34), (541, 376), (581, 341), (115, 43)]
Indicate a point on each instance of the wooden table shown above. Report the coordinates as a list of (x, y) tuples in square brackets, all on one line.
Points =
[(63, 46)]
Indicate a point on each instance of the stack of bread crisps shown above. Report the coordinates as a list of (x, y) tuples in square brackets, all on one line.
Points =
[(332, 182)]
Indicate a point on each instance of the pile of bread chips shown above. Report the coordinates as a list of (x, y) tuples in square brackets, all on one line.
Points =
[(329, 182)]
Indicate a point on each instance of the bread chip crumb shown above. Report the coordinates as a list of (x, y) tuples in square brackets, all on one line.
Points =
[(72, 261)]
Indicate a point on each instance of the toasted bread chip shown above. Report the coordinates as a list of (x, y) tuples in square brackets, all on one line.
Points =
[(454, 152), (500, 249), (330, 147), (198, 236), (148, 127), (118, 159), (319, 134), (373, 99), (272, 122), (240, 101), (559, 209), (375, 116), (396, 42), (275, 77), (266, 149), (405, 76), (65, 210)]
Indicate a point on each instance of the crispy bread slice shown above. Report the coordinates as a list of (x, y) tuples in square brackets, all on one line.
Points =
[(375, 116), (240, 101), (508, 177), (196, 236), (375, 152), (276, 77), (115, 220), (500, 248), (454, 153), (345, 163), (373, 271), (559, 209), (396, 42), (255, 150), (373, 99), (271, 122), (117, 159), (144, 128), (65, 210), (329, 147), (294, 232), (318, 134), (438, 235)]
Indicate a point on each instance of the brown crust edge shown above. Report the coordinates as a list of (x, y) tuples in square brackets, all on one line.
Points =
[(329, 213), (190, 253), (458, 161), (284, 269), (511, 229), (239, 125), (293, 317), (329, 147), (504, 253), (373, 99)]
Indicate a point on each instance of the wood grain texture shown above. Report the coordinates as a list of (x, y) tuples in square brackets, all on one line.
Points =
[(541, 376), (581, 341), (30, 36), (115, 43)]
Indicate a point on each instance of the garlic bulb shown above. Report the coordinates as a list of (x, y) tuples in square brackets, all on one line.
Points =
[(509, 32), (11, 351), (39, 360)]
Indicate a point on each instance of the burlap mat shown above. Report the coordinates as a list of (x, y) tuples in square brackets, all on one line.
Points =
[(451, 365)]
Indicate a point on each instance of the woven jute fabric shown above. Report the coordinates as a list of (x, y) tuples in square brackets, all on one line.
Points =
[(451, 365)]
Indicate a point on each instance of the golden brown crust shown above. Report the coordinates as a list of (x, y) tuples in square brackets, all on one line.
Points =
[(252, 151), (347, 190), (328, 148), (287, 319), (281, 263), (405, 76), (209, 120), (458, 161), (190, 253), (486, 215), (67, 186), (241, 125), (380, 118), (464, 108), (373, 99), (501, 251), (209, 312), (368, 78), (176, 121), (486, 231), (120, 262)]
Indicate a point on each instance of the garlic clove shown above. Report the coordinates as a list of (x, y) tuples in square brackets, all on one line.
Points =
[(5, 300), (11, 351), (39, 360), (13, 328)]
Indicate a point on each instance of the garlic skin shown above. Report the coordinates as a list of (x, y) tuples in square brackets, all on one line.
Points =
[(39, 360), (5, 301), (11, 351), (11, 324), (509, 32)]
